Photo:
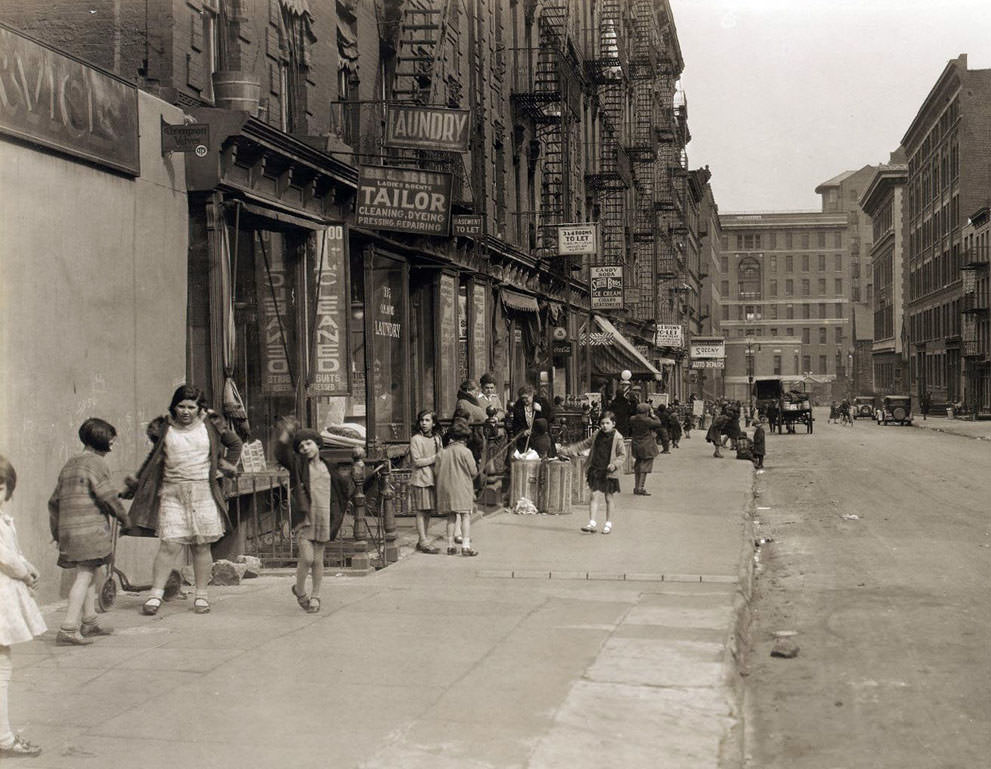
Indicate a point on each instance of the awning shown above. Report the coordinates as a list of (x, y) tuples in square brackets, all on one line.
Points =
[(617, 353), (514, 300)]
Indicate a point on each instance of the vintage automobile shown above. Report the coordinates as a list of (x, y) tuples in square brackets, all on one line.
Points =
[(895, 408), (863, 406)]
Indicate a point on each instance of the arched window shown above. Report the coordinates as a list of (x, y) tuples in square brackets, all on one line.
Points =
[(749, 278)]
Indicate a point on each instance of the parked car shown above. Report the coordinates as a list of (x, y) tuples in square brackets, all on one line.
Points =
[(863, 406), (895, 408)]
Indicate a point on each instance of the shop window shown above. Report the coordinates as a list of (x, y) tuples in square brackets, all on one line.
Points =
[(386, 303)]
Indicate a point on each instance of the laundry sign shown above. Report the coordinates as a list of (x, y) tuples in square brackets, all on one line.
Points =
[(427, 128)]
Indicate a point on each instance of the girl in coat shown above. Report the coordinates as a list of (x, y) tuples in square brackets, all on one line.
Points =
[(20, 619), (605, 459), (177, 493), (79, 513), (320, 497), (424, 448), (455, 473)]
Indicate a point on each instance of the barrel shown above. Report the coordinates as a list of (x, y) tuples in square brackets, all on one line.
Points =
[(236, 90), (628, 460), (555, 488), (581, 494), (524, 480)]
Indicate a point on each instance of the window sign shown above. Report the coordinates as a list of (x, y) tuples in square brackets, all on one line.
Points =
[(389, 375), (330, 357), (274, 294), (479, 326), (447, 387)]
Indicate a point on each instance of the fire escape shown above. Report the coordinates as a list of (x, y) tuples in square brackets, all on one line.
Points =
[(426, 72), (611, 172)]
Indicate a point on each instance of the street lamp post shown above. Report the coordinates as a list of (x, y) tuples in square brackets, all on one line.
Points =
[(750, 377)]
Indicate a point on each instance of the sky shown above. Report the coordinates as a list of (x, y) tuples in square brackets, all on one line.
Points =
[(785, 94)]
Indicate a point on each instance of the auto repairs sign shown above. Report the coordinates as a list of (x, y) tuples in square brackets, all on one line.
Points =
[(404, 200)]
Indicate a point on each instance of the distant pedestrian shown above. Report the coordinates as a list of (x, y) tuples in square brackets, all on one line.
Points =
[(605, 459), (177, 494), (644, 446), (79, 513), (320, 497), (20, 618), (925, 403), (758, 446), (424, 448), (455, 472), (716, 432), (663, 435)]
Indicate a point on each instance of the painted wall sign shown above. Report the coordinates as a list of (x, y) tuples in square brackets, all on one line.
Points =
[(276, 379), (479, 327), (707, 347), (427, 128), (329, 374), (669, 336), (447, 372), (606, 283), (575, 239), (57, 101), (468, 225), (403, 199), (188, 137)]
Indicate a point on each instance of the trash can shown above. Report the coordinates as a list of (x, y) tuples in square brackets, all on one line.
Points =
[(524, 481), (555, 487), (581, 494), (628, 461)]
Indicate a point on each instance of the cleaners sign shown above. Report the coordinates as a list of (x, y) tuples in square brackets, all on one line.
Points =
[(404, 200), (426, 128)]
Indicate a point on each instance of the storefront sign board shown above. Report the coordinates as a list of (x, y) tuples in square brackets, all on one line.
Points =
[(669, 336), (329, 375), (52, 99), (404, 200), (427, 128), (707, 347), (577, 239), (708, 363), (606, 283)]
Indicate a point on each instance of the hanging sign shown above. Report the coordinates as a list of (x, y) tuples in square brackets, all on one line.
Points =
[(577, 239), (668, 336), (329, 374), (404, 200), (606, 283), (562, 349), (468, 225), (707, 347), (427, 128), (189, 137), (274, 298)]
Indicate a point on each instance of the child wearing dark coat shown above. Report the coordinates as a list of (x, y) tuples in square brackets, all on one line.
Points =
[(758, 448)]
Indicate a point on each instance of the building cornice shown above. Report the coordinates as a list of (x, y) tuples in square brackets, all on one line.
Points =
[(885, 179), (949, 81)]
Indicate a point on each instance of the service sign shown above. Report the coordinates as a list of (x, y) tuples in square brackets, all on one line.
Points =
[(707, 347), (330, 332), (707, 363), (668, 336), (468, 225), (52, 99), (606, 284), (427, 128), (577, 239), (403, 199)]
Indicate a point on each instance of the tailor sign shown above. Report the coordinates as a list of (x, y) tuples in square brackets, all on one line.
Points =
[(404, 200), (57, 101), (427, 128)]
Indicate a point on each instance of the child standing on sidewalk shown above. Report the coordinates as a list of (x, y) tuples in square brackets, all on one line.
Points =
[(424, 448), (758, 448), (607, 454), (455, 473), (20, 619), (79, 513)]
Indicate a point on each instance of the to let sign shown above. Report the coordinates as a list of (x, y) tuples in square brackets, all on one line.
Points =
[(576, 239), (606, 285), (427, 128), (468, 225), (404, 200), (51, 99)]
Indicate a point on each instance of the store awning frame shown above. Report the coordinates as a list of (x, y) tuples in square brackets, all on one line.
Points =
[(514, 300), (627, 351)]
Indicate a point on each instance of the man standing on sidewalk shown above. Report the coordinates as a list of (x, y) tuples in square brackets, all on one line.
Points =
[(925, 402)]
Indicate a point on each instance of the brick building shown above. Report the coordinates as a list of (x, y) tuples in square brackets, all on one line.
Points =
[(784, 280), (949, 162), (976, 301)]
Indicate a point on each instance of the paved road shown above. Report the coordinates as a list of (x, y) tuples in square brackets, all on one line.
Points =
[(550, 649), (890, 607)]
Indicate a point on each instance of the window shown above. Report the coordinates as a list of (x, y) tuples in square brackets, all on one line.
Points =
[(772, 263), (822, 310), (748, 273), (821, 286), (822, 364), (789, 287), (724, 310), (839, 310), (805, 286), (772, 240), (788, 241), (724, 240), (822, 262), (837, 240), (772, 288), (777, 364), (789, 263), (723, 265), (805, 240), (806, 335), (724, 288), (774, 331), (806, 311), (772, 311), (822, 336), (791, 311), (821, 239), (838, 262), (790, 331), (805, 262), (839, 335), (839, 285), (806, 363), (739, 242)]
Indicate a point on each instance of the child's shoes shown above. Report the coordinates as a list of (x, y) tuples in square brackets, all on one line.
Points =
[(71, 638), (91, 629)]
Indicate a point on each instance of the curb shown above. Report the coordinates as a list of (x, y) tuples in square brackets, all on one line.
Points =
[(732, 752), (951, 432)]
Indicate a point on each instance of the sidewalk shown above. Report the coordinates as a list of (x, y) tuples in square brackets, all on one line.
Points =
[(552, 648), (979, 429)]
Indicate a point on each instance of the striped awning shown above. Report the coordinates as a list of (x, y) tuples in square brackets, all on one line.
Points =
[(612, 352), (514, 300)]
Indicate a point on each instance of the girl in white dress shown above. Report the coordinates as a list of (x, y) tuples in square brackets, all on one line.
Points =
[(20, 619)]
